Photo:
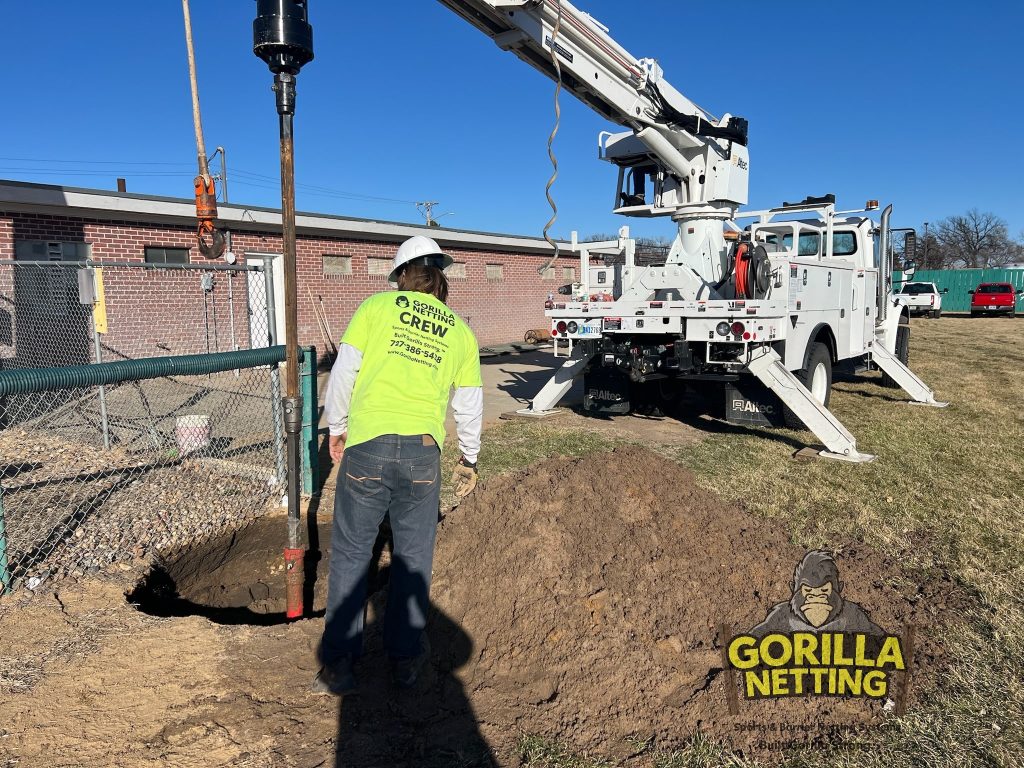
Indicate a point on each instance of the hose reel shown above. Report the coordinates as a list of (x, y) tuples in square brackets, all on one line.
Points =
[(753, 270)]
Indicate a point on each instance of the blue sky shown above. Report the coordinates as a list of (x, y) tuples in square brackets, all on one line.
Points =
[(915, 103)]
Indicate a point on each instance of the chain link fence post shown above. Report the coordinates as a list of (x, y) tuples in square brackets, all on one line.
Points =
[(98, 355), (5, 571), (310, 412), (275, 373)]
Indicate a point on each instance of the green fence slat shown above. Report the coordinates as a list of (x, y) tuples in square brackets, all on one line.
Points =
[(960, 281)]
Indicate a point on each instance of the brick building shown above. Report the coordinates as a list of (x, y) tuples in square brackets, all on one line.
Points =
[(495, 283)]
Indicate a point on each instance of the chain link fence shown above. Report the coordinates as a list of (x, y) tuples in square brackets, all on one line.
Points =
[(129, 425), (49, 310)]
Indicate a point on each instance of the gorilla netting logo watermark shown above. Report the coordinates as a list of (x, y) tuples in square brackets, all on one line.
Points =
[(402, 301), (818, 643)]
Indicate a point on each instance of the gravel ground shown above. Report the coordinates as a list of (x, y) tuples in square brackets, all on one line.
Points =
[(73, 508)]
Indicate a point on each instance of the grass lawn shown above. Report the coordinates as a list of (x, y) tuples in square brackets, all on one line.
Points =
[(944, 495)]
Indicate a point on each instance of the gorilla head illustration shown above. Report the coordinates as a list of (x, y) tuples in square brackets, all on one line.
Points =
[(817, 590)]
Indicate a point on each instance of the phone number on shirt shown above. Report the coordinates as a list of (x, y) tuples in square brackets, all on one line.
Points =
[(412, 349)]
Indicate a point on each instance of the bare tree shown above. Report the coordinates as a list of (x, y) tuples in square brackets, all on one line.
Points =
[(930, 254), (649, 250), (977, 239)]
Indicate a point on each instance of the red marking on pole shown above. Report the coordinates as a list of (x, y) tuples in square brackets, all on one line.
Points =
[(293, 578)]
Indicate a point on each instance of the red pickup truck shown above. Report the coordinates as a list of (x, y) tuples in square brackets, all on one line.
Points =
[(994, 298)]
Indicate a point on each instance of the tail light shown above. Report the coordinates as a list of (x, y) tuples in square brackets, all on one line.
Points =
[(561, 327), (738, 328), (933, 299), (573, 326)]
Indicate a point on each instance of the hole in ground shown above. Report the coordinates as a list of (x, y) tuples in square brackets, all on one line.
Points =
[(236, 578)]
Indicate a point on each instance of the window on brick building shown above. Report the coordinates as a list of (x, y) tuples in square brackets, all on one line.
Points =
[(569, 273), (377, 267), (337, 265), (160, 255), (495, 272), (42, 250), (457, 271)]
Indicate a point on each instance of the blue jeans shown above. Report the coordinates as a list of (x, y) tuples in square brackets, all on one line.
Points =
[(397, 476)]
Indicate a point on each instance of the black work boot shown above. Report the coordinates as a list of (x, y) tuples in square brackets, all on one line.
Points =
[(336, 678), (405, 670)]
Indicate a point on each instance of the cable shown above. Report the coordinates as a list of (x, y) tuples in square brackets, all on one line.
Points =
[(82, 172), (241, 176), (551, 141), (87, 162)]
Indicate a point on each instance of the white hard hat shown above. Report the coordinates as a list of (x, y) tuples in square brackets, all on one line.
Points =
[(419, 250)]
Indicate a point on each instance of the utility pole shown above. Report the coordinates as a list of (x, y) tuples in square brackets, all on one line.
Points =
[(283, 38), (222, 178), (927, 265), (427, 210)]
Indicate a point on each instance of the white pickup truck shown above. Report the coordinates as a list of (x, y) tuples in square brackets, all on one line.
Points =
[(922, 298)]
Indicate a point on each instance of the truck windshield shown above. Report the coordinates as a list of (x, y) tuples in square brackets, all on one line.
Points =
[(995, 288), (917, 288)]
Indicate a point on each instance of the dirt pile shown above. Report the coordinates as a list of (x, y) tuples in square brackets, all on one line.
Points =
[(593, 589), (579, 599)]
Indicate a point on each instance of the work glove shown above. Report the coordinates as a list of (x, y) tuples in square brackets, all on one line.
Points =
[(464, 478)]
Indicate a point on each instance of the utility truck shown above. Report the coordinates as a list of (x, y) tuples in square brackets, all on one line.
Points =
[(760, 305)]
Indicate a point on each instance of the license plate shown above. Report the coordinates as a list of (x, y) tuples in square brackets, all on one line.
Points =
[(590, 329), (991, 306)]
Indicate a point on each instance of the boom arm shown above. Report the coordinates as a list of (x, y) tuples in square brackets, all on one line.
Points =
[(601, 73), (697, 165)]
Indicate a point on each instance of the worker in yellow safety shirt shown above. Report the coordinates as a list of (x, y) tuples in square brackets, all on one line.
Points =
[(401, 355)]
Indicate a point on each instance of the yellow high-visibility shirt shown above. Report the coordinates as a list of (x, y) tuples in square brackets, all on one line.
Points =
[(414, 351)]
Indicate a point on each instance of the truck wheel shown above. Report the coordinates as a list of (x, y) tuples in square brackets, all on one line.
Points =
[(936, 313), (816, 378), (902, 353)]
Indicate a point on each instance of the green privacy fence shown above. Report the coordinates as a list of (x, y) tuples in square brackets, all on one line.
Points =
[(960, 281)]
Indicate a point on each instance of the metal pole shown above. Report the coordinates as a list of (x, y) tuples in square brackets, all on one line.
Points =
[(103, 392), (223, 177), (283, 38), (275, 372), (5, 571), (227, 241), (926, 264), (284, 83)]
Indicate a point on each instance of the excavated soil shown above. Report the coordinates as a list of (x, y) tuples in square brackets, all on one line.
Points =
[(579, 599), (595, 599)]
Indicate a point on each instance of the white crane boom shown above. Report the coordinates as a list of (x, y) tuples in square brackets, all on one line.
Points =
[(675, 160)]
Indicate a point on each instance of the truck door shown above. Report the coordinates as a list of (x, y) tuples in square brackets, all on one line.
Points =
[(870, 309), (857, 310)]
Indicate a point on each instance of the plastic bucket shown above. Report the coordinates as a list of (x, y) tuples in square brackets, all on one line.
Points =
[(192, 433)]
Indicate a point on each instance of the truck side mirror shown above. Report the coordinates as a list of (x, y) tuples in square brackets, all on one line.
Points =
[(910, 246), (909, 268), (971, 292), (945, 290)]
